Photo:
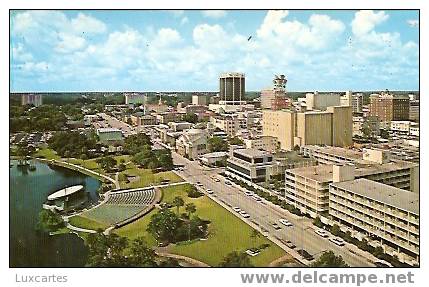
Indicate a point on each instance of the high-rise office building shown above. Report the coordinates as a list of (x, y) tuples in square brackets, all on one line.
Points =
[(232, 88), (388, 107), (31, 99), (275, 98), (318, 101), (332, 127)]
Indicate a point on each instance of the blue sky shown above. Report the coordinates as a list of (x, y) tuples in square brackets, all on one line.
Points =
[(187, 50)]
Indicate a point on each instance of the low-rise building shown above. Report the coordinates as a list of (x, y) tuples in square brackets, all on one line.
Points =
[(212, 159), (192, 143), (385, 214), (414, 110), (226, 123), (266, 143), (110, 135), (251, 164), (165, 118), (179, 126)]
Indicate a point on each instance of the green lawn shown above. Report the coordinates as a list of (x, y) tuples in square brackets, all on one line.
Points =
[(47, 154), (227, 233), (138, 229), (146, 177), (84, 222)]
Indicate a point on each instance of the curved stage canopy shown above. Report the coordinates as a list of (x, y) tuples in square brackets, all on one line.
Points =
[(65, 192)]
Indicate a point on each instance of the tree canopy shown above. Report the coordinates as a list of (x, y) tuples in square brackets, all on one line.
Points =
[(236, 259), (216, 144), (329, 259), (71, 144)]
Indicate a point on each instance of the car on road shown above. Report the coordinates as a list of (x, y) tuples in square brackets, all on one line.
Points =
[(276, 226), (285, 222), (209, 191), (248, 193), (337, 240), (322, 233), (228, 182), (382, 264), (236, 209), (244, 214), (289, 244), (215, 179), (305, 254)]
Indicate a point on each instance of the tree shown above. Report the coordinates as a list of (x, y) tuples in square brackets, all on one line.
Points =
[(235, 141), (378, 251), (169, 262), (71, 144), (192, 191), (216, 144), (190, 118), (296, 148), (49, 221), (135, 143), (318, 222), (255, 235), (328, 259), (178, 202), (384, 134), (144, 157), (165, 160), (163, 225), (106, 250), (335, 230), (190, 209), (107, 163), (236, 259), (142, 255)]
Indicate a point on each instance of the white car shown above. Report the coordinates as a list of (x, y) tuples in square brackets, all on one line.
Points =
[(216, 179), (209, 191), (285, 222), (244, 214), (257, 198), (337, 240), (322, 233), (248, 193), (236, 209)]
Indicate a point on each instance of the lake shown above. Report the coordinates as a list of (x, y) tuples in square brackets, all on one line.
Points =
[(28, 190)]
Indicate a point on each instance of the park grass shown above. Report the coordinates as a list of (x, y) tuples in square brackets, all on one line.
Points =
[(146, 177), (227, 233), (84, 222), (47, 153), (138, 229)]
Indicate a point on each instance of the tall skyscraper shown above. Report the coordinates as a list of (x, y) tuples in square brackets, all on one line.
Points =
[(232, 88), (275, 98), (31, 99)]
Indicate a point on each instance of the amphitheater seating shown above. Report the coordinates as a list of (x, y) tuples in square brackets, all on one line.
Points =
[(139, 197)]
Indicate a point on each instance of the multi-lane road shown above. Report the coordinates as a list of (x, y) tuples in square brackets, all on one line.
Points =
[(265, 214)]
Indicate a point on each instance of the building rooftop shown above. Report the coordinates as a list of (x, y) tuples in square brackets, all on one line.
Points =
[(215, 154), (389, 195), (323, 172), (107, 130), (251, 152)]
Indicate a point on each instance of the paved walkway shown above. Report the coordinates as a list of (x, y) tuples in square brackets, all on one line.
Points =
[(191, 261), (72, 227)]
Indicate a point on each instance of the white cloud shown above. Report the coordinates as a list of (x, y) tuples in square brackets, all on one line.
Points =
[(413, 23), (318, 33), (214, 13), (271, 21), (166, 37), (86, 24), (19, 54), (69, 43), (184, 20), (365, 21)]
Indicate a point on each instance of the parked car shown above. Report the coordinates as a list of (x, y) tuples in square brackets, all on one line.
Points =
[(382, 264), (322, 233), (236, 209), (244, 214), (276, 226), (337, 240), (285, 222), (290, 244), (209, 191), (248, 193), (227, 182), (305, 254)]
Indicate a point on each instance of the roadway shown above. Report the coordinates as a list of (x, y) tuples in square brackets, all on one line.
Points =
[(265, 214)]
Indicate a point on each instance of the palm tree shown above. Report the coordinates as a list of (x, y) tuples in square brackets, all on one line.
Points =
[(254, 235), (190, 209), (178, 202)]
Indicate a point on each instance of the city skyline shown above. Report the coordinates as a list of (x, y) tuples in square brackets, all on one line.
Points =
[(327, 50)]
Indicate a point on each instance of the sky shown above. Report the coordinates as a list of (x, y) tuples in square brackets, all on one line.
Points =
[(187, 50)]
